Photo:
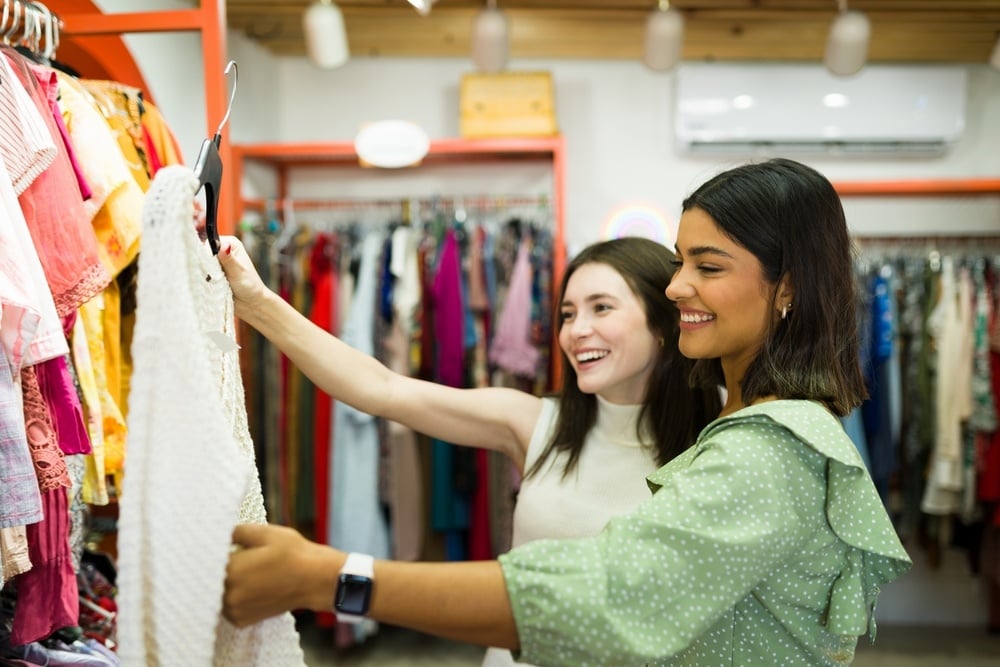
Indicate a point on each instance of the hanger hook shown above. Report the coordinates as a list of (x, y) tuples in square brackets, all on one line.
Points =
[(15, 22), (232, 94)]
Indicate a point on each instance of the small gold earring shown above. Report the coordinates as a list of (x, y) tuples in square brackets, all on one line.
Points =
[(661, 341), (785, 309)]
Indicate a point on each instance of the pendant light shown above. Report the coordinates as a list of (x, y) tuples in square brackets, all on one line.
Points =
[(326, 36), (490, 39), (664, 37), (423, 7), (847, 43)]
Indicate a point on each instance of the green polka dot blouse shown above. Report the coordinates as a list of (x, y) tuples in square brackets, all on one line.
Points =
[(764, 544)]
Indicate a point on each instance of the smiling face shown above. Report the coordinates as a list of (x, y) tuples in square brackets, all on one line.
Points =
[(605, 334), (723, 298)]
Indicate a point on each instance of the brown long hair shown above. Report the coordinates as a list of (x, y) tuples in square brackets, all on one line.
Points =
[(672, 411)]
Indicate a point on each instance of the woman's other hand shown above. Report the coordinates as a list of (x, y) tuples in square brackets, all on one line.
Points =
[(274, 569)]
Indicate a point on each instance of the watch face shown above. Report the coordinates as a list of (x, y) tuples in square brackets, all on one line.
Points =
[(353, 594)]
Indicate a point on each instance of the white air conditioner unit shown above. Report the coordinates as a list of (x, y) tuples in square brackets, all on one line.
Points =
[(740, 109)]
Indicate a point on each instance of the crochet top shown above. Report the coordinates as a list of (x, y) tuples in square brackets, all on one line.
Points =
[(190, 474)]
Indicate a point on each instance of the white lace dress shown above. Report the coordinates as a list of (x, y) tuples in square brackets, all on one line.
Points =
[(190, 473)]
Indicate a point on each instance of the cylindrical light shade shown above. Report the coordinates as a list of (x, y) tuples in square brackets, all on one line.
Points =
[(326, 37), (664, 39), (995, 57), (490, 41), (847, 43)]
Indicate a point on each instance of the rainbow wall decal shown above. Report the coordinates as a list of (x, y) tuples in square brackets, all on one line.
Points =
[(639, 220)]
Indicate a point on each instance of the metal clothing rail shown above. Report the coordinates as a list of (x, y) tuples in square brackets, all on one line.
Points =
[(931, 248), (450, 202), (282, 157)]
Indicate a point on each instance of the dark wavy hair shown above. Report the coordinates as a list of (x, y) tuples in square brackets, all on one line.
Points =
[(791, 218), (673, 411)]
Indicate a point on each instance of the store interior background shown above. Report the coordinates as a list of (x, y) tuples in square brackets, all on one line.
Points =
[(616, 118)]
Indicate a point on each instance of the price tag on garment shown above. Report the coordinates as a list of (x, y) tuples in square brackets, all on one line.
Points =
[(223, 341)]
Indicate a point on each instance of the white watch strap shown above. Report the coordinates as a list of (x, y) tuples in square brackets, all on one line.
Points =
[(361, 565)]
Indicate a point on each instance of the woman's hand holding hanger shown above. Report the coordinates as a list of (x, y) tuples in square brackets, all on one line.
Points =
[(248, 288)]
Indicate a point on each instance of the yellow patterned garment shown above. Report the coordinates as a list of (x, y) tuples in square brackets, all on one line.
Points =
[(120, 106), (95, 486), (98, 398), (115, 205), (765, 543), (164, 143)]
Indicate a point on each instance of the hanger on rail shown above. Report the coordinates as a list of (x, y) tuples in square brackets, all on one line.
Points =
[(208, 169)]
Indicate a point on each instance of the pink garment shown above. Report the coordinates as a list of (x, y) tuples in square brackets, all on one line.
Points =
[(448, 316), (47, 595), (511, 348), (480, 545), (53, 209), (67, 144), (64, 406), (29, 325), (50, 466)]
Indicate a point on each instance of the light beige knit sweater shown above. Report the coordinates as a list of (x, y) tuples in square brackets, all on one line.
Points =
[(190, 473)]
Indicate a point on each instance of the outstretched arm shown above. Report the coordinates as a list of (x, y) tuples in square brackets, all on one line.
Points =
[(278, 570), (493, 418)]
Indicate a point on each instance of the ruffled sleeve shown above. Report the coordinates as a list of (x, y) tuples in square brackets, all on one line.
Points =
[(856, 515), (854, 511)]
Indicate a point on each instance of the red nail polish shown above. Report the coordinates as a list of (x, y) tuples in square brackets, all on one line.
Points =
[(229, 250)]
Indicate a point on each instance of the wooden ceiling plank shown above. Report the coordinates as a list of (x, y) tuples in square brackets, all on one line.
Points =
[(903, 30)]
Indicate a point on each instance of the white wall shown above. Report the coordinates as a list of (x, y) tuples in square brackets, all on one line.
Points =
[(616, 118)]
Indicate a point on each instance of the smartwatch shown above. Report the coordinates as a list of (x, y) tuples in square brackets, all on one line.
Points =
[(354, 588)]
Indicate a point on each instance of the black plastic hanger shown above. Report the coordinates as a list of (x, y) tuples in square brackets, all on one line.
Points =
[(208, 169)]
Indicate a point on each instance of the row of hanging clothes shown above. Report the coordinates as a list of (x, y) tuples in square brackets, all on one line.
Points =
[(931, 356), (76, 157), (455, 290)]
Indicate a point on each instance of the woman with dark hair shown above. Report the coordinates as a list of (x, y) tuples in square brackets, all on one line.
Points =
[(765, 543), (811, 351), (626, 407)]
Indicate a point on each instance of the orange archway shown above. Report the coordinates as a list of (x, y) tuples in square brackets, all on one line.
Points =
[(96, 56)]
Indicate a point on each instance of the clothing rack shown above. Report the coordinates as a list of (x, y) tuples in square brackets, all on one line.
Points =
[(282, 158), (930, 246), (322, 214), (452, 201)]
